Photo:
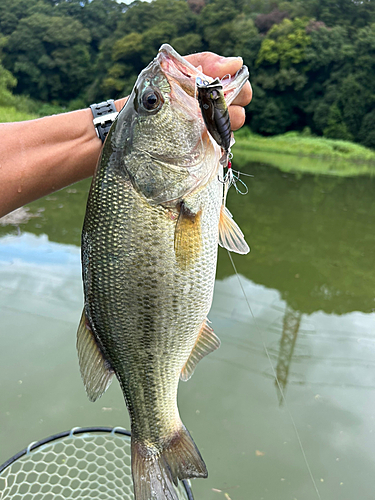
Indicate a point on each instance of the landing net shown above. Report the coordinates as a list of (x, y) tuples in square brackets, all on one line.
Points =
[(84, 463)]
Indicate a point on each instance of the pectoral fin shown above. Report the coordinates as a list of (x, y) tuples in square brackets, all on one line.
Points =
[(96, 372), (187, 237), (206, 342), (230, 235)]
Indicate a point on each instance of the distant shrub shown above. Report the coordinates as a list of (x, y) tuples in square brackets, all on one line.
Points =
[(306, 132), (367, 132)]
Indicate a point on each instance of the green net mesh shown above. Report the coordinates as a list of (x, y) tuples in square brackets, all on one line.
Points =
[(85, 466)]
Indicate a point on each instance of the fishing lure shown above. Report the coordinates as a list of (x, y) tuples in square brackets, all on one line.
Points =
[(215, 111), (216, 118)]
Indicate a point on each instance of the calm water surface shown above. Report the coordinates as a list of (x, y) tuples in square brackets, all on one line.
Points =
[(310, 283)]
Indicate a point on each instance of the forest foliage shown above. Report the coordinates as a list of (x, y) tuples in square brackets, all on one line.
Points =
[(312, 62)]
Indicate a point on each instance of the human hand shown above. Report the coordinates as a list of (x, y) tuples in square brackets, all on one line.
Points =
[(217, 66)]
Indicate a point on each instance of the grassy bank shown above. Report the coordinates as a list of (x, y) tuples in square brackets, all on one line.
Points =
[(11, 114), (23, 108), (295, 152)]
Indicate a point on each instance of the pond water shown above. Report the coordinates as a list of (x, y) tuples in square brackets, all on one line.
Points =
[(302, 308)]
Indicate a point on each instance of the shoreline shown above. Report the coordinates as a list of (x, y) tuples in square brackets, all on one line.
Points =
[(296, 152)]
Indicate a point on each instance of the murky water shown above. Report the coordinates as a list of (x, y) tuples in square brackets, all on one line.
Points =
[(310, 283)]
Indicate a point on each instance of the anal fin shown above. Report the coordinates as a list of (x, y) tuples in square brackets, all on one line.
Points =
[(230, 235), (96, 371), (206, 342)]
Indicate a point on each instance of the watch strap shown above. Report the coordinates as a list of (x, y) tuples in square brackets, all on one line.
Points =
[(104, 115)]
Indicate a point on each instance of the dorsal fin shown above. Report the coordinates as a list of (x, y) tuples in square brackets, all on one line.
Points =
[(187, 237), (206, 342), (230, 235), (96, 371)]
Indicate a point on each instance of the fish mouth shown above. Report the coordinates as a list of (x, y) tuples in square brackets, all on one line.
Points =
[(179, 70)]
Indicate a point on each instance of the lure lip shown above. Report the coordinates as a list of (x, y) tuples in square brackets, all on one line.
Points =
[(205, 84)]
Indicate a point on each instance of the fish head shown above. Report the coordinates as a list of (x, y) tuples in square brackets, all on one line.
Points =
[(160, 133)]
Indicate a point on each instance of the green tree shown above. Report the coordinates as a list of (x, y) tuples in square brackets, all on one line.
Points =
[(367, 132), (327, 58), (353, 102), (336, 127), (49, 57), (100, 17), (131, 53), (217, 25), (328, 47), (274, 117), (349, 13), (12, 11), (142, 16), (7, 81), (187, 44), (141, 29), (280, 78), (342, 69), (285, 43)]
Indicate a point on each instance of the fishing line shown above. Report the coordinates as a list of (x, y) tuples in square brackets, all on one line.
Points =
[(277, 382), (235, 180), (242, 173)]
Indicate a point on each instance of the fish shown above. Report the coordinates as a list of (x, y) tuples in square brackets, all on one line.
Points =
[(149, 250)]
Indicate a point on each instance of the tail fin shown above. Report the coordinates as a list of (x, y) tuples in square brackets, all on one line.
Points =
[(156, 471)]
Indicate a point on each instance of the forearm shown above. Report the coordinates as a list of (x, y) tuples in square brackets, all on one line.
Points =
[(40, 156)]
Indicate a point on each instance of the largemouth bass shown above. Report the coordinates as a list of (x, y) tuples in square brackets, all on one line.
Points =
[(149, 250)]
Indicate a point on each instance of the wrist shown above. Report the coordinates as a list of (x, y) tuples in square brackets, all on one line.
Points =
[(120, 103), (104, 114)]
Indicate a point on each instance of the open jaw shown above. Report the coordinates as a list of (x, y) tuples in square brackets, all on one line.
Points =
[(185, 74)]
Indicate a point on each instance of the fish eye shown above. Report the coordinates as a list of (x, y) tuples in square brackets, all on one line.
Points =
[(151, 99), (214, 94)]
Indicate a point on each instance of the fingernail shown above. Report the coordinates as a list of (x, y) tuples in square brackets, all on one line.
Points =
[(226, 59)]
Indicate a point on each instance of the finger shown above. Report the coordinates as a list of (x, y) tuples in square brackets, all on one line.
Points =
[(237, 116), (214, 65), (245, 96)]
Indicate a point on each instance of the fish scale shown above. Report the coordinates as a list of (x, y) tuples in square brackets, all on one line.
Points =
[(149, 252)]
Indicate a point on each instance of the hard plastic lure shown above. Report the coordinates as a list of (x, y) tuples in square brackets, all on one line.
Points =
[(215, 111), (216, 118)]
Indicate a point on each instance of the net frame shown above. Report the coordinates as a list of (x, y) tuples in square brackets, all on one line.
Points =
[(34, 446)]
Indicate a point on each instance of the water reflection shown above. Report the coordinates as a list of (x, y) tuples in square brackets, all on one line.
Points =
[(291, 324), (312, 238)]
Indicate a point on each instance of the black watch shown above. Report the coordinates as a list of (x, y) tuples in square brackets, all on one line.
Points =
[(104, 114)]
